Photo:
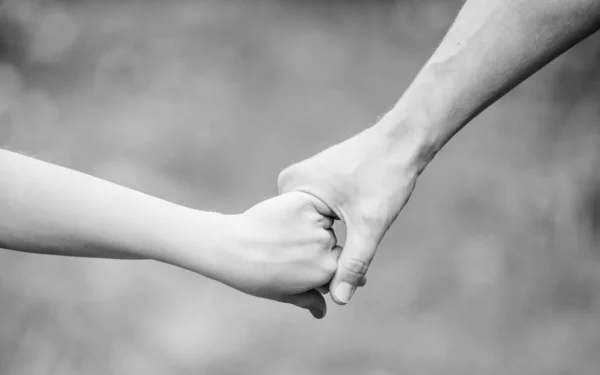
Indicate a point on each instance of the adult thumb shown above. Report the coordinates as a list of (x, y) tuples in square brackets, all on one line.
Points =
[(353, 263)]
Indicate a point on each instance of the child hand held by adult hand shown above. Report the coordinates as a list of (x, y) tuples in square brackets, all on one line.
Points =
[(281, 249)]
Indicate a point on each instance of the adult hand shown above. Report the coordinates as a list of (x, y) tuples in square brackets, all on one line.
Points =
[(366, 181)]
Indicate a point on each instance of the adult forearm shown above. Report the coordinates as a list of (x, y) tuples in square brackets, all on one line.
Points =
[(49, 209), (492, 46)]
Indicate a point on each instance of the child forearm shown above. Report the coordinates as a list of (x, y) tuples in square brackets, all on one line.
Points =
[(49, 209), (280, 249)]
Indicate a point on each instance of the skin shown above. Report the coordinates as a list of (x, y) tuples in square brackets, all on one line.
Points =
[(365, 181), (492, 46), (280, 249)]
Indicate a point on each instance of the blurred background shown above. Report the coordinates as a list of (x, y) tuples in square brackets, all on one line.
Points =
[(492, 268)]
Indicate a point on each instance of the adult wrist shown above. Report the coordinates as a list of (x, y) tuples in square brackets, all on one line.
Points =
[(426, 116), (406, 139)]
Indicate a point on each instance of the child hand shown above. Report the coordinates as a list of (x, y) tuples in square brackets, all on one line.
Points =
[(283, 248)]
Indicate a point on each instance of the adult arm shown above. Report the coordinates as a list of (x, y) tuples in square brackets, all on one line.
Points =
[(492, 46)]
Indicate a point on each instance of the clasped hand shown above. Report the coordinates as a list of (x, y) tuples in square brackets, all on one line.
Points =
[(284, 249), (289, 239)]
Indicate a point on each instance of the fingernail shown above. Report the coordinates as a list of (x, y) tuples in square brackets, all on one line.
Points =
[(318, 314), (344, 292)]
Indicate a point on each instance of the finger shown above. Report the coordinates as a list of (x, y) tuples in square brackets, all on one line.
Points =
[(312, 301), (353, 264), (363, 282), (323, 289), (327, 221), (336, 252), (320, 206), (333, 241)]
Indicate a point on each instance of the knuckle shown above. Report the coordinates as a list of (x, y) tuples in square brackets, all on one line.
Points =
[(286, 178), (332, 237), (325, 221), (331, 240), (282, 180), (356, 267), (325, 240)]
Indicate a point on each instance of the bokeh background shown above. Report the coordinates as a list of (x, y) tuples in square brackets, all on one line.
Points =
[(492, 268)]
